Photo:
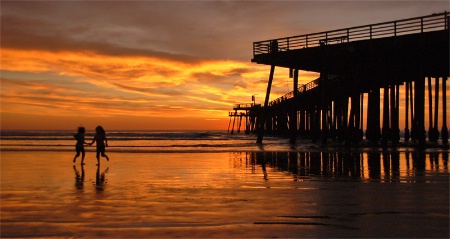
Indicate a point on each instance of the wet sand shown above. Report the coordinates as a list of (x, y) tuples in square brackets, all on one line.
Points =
[(198, 195)]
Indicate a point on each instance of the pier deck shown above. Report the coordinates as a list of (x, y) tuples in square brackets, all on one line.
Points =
[(357, 64)]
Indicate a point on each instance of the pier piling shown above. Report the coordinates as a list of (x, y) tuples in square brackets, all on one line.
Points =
[(354, 62)]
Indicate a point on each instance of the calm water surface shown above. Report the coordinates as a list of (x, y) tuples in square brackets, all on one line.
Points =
[(195, 191)]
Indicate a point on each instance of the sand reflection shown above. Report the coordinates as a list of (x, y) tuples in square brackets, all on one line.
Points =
[(386, 166), (100, 179), (79, 177), (226, 195)]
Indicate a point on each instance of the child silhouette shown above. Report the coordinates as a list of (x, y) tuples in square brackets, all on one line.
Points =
[(101, 142), (79, 147)]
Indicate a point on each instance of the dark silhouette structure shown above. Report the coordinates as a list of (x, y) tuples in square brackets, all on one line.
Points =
[(383, 165), (355, 65)]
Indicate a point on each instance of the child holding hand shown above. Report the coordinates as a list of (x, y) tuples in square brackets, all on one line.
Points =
[(79, 147), (101, 142)]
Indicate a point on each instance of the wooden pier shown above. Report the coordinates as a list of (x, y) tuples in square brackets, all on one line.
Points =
[(379, 71), (243, 112)]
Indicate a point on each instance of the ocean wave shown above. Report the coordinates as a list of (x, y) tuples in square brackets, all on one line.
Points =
[(118, 135), (142, 141)]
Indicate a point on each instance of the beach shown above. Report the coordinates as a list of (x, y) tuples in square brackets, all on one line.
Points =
[(220, 195)]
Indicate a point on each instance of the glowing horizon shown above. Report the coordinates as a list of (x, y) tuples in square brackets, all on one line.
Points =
[(75, 84), (127, 65)]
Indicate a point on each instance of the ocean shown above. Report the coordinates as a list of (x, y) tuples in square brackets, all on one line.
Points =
[(210, 184), (301, 159), (141, 141)]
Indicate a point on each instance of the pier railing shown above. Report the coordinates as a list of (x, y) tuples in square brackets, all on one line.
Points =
[(304, 88), (244, 106), (301, 89), (434, 22)]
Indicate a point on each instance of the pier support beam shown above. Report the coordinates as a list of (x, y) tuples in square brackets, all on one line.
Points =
[(411, 103), (407, 89), (293, 111), (341, 113), (262, 117), (354, 121), (444, 133), (373, 116), (391, 131), (395, 129), (386, 126), (234, 121), (361, 131), (435, 129), (302, 127), (430, 111), (314, 123), (419, 111), (239, 124)]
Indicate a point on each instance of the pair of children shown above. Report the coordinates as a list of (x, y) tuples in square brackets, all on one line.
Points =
[(99, 138)]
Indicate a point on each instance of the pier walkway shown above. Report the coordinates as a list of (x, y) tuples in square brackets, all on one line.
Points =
[(398, 59)]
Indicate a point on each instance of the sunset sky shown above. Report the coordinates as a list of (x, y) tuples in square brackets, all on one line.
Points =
[(156, 65)]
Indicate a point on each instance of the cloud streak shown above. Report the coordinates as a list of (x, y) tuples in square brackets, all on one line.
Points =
[(110, 85), (153, 60)]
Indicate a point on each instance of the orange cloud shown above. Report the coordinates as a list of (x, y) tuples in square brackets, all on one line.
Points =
[(87, 84)]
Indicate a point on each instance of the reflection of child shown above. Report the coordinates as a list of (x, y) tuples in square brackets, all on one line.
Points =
[(79, 147), (101, 141)]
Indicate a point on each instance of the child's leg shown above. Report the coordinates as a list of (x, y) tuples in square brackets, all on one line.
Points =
[(76, 156), (83, 153), (98, 157), (104, 155)]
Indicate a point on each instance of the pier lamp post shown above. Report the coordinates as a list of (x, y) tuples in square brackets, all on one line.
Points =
[(254, 99)]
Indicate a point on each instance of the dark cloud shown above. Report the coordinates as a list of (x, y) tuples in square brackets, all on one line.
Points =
[(186, 30), (17, 38)]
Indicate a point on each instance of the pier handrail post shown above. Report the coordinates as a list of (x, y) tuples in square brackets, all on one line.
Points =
[(446, 20), (395, 29), (254, 50), (421, 25)]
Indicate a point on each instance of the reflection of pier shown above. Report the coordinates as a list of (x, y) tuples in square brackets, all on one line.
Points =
[(385, 68), (369, 165)]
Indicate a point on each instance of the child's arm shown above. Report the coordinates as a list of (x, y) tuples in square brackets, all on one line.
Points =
[(84, 140), (93, 140), (106, 142)]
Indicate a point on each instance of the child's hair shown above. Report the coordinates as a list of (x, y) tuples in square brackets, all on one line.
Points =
[(100, 130), (81, 130)]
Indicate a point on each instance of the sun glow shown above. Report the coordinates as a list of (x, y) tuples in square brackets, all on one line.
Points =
[(90, 85)]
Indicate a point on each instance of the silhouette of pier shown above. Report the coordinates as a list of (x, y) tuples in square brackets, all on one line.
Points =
[(384, 165), (380, 70)]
